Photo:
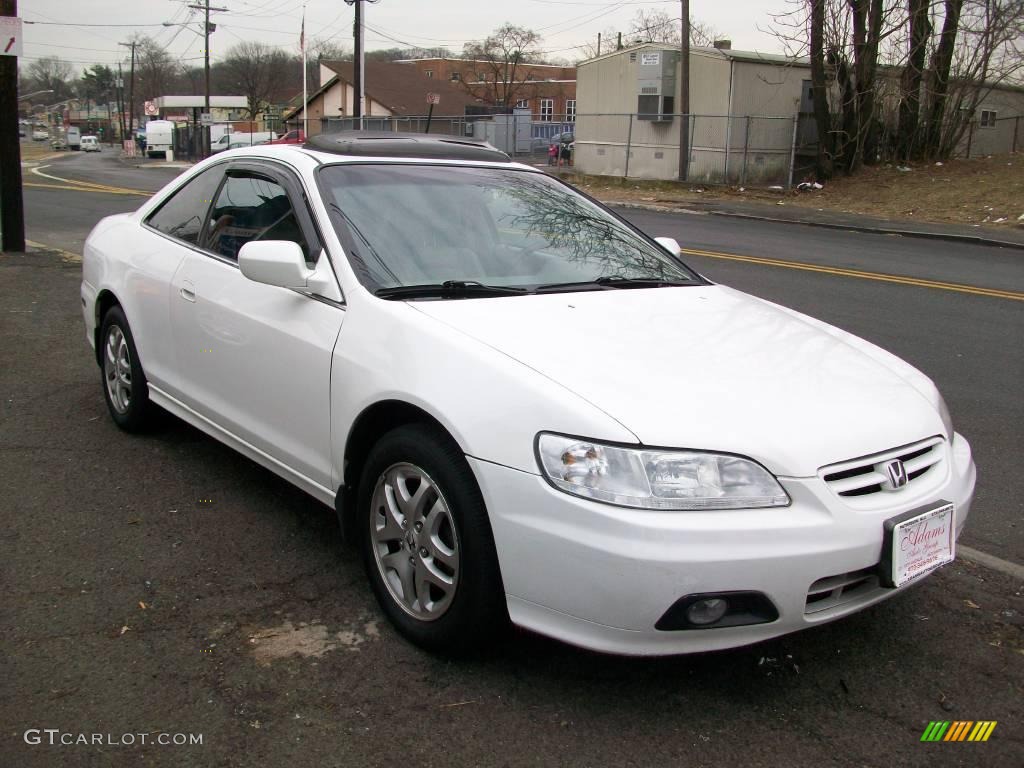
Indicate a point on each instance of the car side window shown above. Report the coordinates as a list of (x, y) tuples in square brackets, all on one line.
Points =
[(251, 207), (182, 216)]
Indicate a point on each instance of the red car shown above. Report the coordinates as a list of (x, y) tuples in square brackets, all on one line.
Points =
[(298, 136)]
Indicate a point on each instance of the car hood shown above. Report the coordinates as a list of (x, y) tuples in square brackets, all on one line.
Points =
[(710, 368)]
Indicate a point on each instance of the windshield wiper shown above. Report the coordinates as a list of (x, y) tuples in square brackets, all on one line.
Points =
[(613, 281), (449, 289)]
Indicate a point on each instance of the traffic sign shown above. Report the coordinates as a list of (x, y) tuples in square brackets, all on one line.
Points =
[(205, 118), (10, 36), (433, 98), (151, 108)]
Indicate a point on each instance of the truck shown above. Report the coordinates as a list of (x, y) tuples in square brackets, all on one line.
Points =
[(159, 137), (74, 138)]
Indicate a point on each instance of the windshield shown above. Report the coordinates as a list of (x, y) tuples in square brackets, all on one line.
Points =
[(421, 224)]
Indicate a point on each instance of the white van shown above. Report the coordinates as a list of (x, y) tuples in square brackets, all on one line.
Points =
[(159, 137), (90, 144), (234, 140)]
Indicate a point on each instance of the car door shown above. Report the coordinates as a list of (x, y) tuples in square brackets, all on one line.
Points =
[(257, 357), (155, 252)]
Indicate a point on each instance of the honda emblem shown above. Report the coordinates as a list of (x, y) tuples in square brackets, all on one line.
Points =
[(897, 474)]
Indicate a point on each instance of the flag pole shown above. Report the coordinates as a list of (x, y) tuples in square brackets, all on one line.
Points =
[(305, 103)]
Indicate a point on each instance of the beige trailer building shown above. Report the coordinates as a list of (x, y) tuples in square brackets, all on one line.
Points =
[(750, 115), (738, 100)]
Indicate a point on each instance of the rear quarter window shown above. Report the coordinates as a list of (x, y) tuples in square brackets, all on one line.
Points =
[(184, 214)]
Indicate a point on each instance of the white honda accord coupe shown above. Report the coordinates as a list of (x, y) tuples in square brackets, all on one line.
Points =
[(521, 407)]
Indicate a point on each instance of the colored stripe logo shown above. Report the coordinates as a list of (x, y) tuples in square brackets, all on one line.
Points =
[(958, 730)]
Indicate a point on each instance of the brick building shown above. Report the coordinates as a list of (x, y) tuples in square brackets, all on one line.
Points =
[(547, 90)]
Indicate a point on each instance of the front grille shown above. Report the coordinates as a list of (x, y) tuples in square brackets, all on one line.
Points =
[(867, 476), (843, 588)]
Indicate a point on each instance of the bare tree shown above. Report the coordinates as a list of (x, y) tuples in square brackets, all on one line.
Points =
[(257, 71), (499, 58), (913, 74), (660, 27), (319, 50), (50, 73), (843, 39), (980, 47), (652, 27)]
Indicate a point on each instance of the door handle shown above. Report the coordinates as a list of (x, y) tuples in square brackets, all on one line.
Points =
[(188, 291)]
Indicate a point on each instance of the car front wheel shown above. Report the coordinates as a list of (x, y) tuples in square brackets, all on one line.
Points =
[(427, 542)]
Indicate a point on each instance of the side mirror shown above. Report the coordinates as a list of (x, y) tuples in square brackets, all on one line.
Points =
[(669, 244), (275, 262)]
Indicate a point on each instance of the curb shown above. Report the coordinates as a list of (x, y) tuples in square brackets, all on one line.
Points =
[(991, 561), (947, 236)]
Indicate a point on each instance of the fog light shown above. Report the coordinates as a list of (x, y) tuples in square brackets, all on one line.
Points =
[(708, 611)]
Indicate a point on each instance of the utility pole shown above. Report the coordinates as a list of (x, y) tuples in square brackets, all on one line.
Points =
[(358, 64), (131, 92), (12, 206), (119, 90), (202, 133), (684, 92), (207, 29)]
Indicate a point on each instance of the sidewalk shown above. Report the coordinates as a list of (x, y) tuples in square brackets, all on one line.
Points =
[(794, 214)]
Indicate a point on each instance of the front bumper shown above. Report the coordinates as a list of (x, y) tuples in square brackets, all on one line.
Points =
[(601, 576)]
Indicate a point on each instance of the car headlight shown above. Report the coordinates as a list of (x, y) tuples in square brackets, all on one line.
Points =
[(647, 478), (947, 420)]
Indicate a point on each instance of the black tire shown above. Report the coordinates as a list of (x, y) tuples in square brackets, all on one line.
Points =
[(477, 611), (136, 413)]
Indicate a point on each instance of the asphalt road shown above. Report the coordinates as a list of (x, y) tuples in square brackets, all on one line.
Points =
[(164, 583)]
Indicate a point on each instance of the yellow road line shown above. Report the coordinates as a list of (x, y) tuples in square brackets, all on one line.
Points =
[(67, 256), (89, 185), (843, 272), (87, 189)]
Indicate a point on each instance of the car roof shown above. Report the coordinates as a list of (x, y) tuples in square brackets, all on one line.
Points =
[(405, 145)]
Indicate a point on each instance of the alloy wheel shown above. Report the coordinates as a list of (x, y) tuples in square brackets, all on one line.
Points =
[(414, 541), (117, 369)]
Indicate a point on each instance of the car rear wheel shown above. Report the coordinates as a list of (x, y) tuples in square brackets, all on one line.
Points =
[(427, 542), (124, 383)]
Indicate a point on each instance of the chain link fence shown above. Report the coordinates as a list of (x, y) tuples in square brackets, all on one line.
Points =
[(762, 151), (723, 149)]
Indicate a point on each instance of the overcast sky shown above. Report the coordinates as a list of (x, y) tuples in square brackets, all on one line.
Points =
[(564, 24)]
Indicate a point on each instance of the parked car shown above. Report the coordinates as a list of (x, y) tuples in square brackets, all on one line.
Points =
[(244, 139), (520, 406), (40, 134), (297, 136), (91, 144)]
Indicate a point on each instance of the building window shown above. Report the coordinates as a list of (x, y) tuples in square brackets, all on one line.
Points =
[(429, 73), (523, 104), (547, 109), (988, 118), (456, 77), (570, 110)]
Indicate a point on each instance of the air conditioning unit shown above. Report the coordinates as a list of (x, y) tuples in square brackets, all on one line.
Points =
[(656, 85)]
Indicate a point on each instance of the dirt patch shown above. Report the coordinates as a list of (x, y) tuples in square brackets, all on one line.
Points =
[(37, 151), (986, 191), (311, 640)]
